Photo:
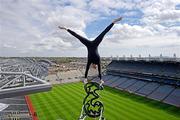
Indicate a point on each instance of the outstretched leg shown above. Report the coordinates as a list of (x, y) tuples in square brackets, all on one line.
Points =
[(98, 40)]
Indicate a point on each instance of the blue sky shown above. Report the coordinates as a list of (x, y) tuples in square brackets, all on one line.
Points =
[(96, 27), (29, 28)]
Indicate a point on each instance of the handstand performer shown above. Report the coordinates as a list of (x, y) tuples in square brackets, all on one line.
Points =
[(92, 47)]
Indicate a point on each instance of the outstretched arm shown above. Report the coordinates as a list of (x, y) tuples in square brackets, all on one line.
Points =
[(82, 39), (99, 70), (100, 37)]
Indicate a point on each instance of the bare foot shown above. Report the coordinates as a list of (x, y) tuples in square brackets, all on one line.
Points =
[(85, 81), (63, 28), (101, 82), (117, 19)]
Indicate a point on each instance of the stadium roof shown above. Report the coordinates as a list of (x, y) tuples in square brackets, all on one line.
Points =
[(21, 76)]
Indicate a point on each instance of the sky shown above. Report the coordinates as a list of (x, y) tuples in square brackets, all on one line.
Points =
[(30, 27)]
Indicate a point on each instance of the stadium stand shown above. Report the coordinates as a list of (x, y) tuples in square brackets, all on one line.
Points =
[(135, 87), (20, 76), (118, 82), (126, 84), (174, 98), (17, 109), (148, 89), (111, 81), (158, 80), (162, 91)]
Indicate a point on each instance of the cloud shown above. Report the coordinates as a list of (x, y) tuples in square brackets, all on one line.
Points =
[(161, 11), (125, 31), (130, 13), (53, 43), (31, 26), (8, 46), (158, 27), (30, 23), (110, 7)]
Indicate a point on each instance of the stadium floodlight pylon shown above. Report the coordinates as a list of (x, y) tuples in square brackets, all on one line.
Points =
[(20, 83)]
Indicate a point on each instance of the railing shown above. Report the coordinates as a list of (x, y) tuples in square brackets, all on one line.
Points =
[(147, 59)]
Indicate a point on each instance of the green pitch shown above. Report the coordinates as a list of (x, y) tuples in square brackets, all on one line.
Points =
[(64, 102)]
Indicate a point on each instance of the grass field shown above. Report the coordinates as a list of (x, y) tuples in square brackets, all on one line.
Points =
[(64, 102)]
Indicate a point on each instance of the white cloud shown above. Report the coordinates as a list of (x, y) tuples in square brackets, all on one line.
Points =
[(158, 33), (130, 13), (28, 23), (110, 7), (125, 31), (8, 46), (31, 26), (160, 11)]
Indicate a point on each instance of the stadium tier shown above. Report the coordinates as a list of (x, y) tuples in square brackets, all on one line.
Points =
[(156, 71), (22, 76), (17, 109), (157, 80), (152, 79), (18, 77)]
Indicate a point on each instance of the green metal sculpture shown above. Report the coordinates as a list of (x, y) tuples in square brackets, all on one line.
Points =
[(92, 107)]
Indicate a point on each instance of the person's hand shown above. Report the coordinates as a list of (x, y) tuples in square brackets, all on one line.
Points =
[(63, 28), (85, 81), (117, 20), (101, 82)]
